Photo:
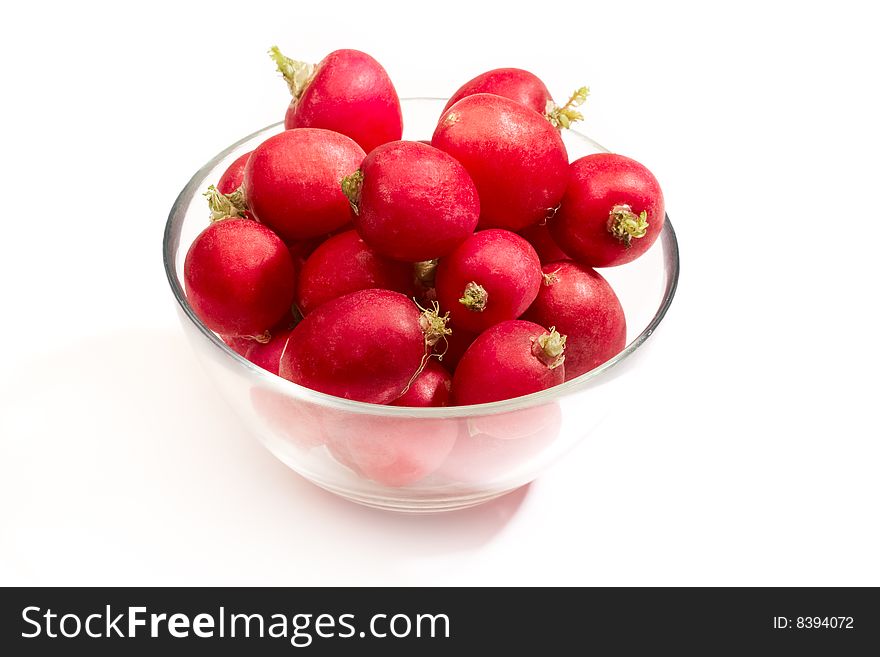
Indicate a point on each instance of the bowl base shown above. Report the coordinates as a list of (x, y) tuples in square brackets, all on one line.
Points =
[(414, 505)]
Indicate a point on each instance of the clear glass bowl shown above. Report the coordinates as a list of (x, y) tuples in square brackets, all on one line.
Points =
[(417, 459)]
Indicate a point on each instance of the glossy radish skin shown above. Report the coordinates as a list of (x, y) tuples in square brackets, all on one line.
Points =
[(414, 202), (493, 276), (431, 388), (233, 176), (291, 182), (508, 360), (348, 92), (542, 241), (268, 355), (580, 303), (239, 277), (612, 211), (345, 264), (365, 346), (514, 83), (515, 157)]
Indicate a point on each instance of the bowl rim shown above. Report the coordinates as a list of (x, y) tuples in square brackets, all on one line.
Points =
[(170, 243)]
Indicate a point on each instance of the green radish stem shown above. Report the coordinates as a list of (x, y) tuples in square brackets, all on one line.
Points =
[(563, 117), (225, 206), (549, 348), (351, 187), (475, 297), (433, 325), (296, 74), (551, 278), (625, 224)]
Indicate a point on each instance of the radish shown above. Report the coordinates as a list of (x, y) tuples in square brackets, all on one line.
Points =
[(233, 176), (493, 276), (514, 83), (515, 157), (392, 451), (368, 346), (510, 359), (582, 305), (348, 92), (430, 388), (345, 264), (291, 182), (542, 241), (259, 349), (526, 89), (239, 277), (412, 202), (612, 211), (268, 354)]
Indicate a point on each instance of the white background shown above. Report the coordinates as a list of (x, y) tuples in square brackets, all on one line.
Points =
[(752, 454)]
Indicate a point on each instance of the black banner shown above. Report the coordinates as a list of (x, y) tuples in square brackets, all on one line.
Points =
[(290, 621)]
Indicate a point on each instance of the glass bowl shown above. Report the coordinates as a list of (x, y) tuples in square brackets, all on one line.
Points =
[(417, 459)]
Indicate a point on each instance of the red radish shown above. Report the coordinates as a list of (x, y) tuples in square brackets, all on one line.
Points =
[(291, 182), (496, 447), (268, 354), (392, 451), (526, 89), (430, 388), (582, 305), (514, 156), (348, 92), (239, 277), (514, 83), (345, 264), (456, 344), (412, 202), (510, 359), (367, 346), (495, 275), (539, 237), (612, 211), (233, 176)]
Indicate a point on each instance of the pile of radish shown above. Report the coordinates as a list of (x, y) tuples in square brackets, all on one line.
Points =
[(455, 271)]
